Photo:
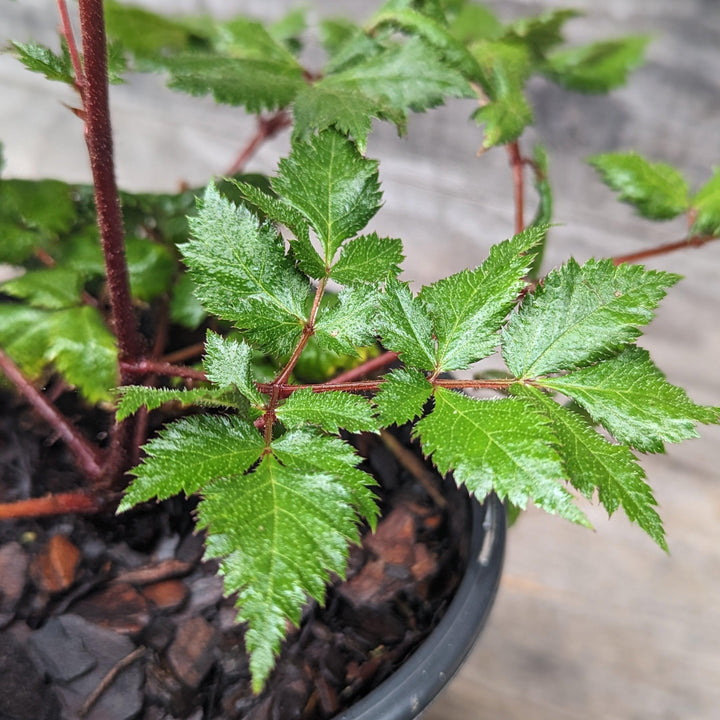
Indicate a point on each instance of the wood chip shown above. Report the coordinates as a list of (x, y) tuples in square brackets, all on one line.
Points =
[(53, 569)]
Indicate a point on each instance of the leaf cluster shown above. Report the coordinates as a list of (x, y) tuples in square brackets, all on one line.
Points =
[(281, 493), (410, 57)]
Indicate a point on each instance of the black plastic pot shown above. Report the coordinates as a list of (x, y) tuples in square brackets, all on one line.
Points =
[(406, 693)]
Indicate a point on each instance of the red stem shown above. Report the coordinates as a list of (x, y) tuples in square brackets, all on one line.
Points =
[(69, 36), (98, 136), (145, 367), (266, 129), (86, 455), (517, 163), (59, 504), (366, 368), (693, 241)]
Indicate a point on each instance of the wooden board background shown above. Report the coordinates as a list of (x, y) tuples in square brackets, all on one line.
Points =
[(587, 625)]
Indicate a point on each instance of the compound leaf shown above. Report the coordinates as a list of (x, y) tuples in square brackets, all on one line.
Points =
[(368, 259), (656, 190), (581, 314), (332, 185), (598, 67), (280, 533), (592, 462), (190, 453), (132, 397), (402, 396), (405, 326), (469, 308), (501, 445), (242, 274), (331, 411), (630, 396)]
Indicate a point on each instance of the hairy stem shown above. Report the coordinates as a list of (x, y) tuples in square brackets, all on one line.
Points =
[(69, 36), (86, 455), (517, 163), (693, 241), (186, 353), (60, 504), (98, 136), (266, 129), (145, 367), (373, 385), (369, 366)]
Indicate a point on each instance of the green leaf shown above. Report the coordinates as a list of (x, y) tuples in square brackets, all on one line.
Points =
[(434, 34), (248, 39), (350, 323), (307, 450), (289, 29), (25, 336), (317, 108), (592, 462), (368, 259), (51, 288), (475, 22), (657, 191), (117, 63), (41, 59), (190, 453), (185, 308), (227, 364), (332, 185), (280, 533), (336, 32), (151, 267), (281, 212), (501, 445), (132, 397), (84, 351), (706, 205), (581, 314), (469, 308), (630, 396), (402, 396), (149, 35), (242, 274), (540, 33), (598, 67), (405, 326), (412, 76), (331, 411), (505, 69), (255, 84), (32, 212)]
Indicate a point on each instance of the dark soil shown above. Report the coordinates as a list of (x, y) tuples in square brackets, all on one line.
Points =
[(84, 599)]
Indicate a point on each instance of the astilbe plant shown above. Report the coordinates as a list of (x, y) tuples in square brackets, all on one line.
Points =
[(281, 494)]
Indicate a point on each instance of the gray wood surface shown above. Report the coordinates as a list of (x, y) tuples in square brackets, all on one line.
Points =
[(587, 625)]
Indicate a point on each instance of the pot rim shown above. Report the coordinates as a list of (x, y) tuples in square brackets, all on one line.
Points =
[(414, 685)]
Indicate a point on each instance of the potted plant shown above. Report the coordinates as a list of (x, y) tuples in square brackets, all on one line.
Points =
[(281, 493)]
